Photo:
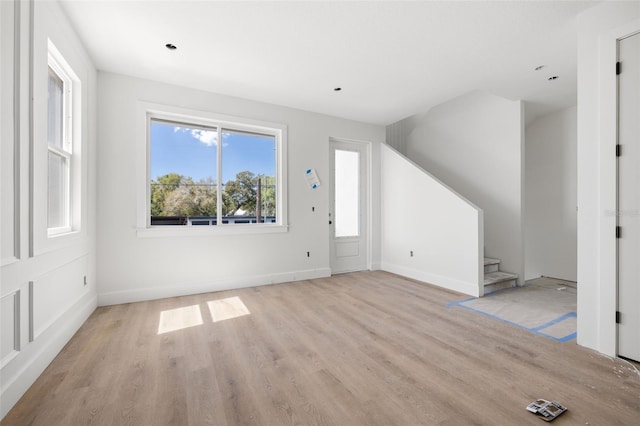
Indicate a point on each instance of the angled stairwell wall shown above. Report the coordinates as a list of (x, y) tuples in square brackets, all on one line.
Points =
[(429, 232), (475, 145)]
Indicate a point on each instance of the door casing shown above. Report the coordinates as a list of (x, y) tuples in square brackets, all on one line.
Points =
[(347, 263)]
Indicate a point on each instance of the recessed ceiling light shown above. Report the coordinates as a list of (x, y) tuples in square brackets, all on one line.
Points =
[(553, 77), (337, 89), (539, 67), (170, 46)]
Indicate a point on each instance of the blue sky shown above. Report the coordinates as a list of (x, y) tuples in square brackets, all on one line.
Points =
[(192, 152)]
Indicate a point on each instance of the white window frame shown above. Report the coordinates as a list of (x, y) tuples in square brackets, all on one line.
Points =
[(149, 111), (63, 71)]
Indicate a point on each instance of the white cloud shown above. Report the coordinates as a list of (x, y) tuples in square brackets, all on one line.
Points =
[(207, 137)]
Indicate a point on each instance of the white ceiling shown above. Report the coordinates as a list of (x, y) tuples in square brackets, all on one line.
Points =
[(391, 59)]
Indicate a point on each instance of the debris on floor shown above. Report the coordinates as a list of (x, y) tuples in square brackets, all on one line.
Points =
[(547, 410)]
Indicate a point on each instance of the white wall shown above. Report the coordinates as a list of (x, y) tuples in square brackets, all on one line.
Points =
[(598, 29), (43, 295), (429, 232), (134, 268), (474, 144), (551, 196)]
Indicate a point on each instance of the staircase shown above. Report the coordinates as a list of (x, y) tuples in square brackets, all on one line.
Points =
[(494, 278)]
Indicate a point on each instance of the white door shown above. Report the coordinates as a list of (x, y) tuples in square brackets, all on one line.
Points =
[(348, 213), (629, 198)]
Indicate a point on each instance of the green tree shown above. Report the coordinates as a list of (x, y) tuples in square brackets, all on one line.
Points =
[(160, 189), (206, 197), (241, 193), (192, 199), (177, 195), (180, 202)]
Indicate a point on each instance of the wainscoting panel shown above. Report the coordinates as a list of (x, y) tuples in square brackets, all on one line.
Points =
[(52, 294), (10, 327)]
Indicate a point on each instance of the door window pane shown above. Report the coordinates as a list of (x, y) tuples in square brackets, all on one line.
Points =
[(347, 193)]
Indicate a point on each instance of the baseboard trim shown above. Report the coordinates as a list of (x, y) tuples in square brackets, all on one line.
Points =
[(41, 352), (184, 289), (469, 288)]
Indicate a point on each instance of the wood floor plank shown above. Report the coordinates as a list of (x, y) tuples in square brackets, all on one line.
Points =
[(367, 348)]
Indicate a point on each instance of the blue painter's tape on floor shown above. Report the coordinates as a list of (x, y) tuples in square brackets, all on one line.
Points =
[(561, 339), (537, 330), (448, 305), (555, 321)]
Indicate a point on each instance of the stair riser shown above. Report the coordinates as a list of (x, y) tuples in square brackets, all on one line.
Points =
[(490, 288), (491, 268)]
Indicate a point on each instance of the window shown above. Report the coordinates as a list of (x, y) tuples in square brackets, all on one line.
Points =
[(347, 193), (60, 144), (212, 174)]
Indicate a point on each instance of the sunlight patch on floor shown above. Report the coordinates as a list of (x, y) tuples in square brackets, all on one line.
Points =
[(179, 318), (223, 309)]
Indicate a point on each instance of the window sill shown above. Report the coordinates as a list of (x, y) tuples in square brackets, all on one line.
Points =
[(208, 231), (61, 232), (58, 241)]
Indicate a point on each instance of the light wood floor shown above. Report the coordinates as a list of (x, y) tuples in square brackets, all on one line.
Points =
[(356, 349)]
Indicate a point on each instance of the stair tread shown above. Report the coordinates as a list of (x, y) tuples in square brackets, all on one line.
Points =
[(498, 276), (490, 261)]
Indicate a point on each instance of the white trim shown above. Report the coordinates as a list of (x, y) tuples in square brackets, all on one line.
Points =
[(219, 154), (183, 289), (71, 143), (469, 288), (480, 284), (148, 111), (10, 89), (9, 260), (35, 333), (207, 231), (58, 241), (66, 325), (608, 136), (16, 328), (31, 312), (59, 231), (365, 146), (63, 71)]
